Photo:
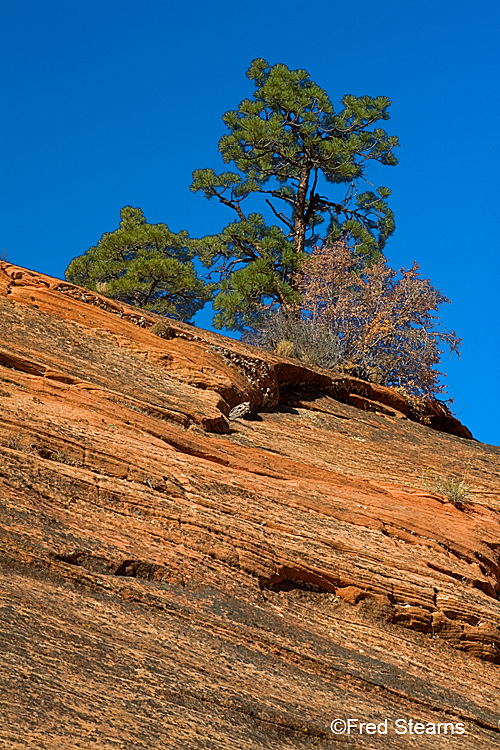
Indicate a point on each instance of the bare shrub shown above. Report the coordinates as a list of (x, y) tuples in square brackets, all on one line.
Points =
[(373, 322), (291, 335)]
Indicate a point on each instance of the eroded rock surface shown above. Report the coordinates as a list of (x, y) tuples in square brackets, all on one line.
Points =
[(174, 578)]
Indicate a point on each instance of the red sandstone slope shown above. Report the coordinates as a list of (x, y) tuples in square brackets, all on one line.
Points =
[(171, 578)]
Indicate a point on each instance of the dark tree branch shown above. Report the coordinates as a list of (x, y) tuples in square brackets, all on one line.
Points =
[(279, 215)]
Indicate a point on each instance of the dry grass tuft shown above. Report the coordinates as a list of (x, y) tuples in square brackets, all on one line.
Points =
[(457, 491), (15, 441), (63, 457), (163, 330)]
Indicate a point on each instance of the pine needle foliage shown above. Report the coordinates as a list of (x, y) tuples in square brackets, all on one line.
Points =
[(145, 265), (287, 143)]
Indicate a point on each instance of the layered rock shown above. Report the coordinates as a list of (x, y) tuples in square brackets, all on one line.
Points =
[(173, 577)]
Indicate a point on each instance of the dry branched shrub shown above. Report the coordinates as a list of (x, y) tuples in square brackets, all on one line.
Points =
[(289, 335), (374, 322)]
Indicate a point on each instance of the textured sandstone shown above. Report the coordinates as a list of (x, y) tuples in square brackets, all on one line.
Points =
[(174, 578)]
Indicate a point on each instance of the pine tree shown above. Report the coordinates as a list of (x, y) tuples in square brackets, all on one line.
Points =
[(287, 143), (145, 265)]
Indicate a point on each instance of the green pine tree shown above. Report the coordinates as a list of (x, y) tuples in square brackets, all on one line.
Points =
[(145, 265), (286, 142)]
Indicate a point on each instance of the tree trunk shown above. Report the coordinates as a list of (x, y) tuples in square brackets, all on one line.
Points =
[(299, 212)]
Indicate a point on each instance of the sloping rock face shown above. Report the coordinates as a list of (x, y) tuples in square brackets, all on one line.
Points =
[(174, 578)]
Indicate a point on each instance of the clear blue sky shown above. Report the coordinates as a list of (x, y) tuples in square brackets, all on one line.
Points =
[(111, 103)]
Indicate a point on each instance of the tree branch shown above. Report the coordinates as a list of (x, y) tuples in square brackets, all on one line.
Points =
[(279, 215)]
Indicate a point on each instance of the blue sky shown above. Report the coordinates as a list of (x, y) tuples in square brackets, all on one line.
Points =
[(113, 103)]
